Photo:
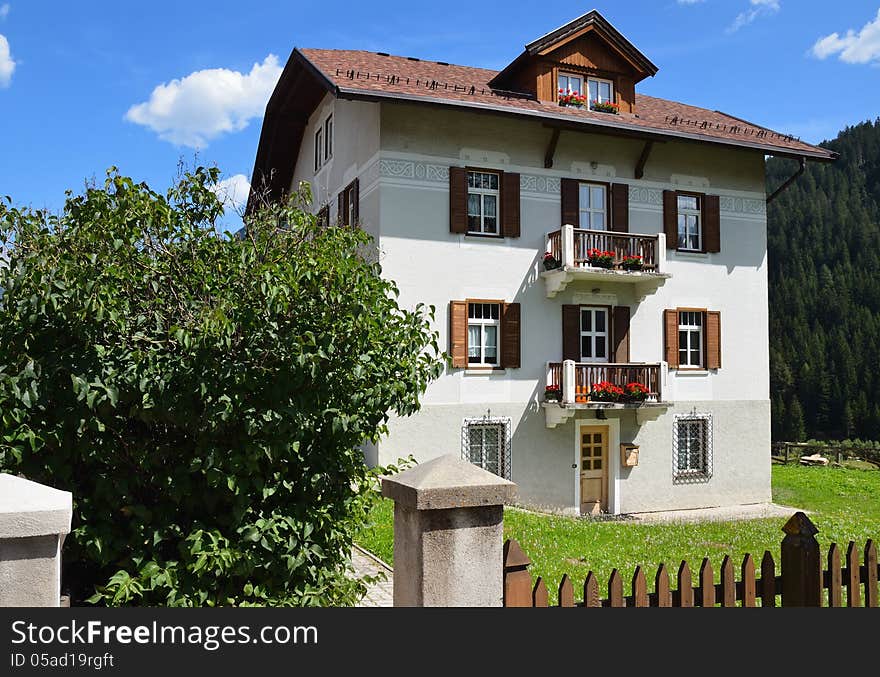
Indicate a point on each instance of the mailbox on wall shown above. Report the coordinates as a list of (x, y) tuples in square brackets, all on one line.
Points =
[(629, 455)]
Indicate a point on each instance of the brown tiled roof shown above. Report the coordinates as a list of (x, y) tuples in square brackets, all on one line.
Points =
[(360, 74)]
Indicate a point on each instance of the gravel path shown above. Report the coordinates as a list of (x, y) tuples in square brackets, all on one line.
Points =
[(366, 563), (738, 512)]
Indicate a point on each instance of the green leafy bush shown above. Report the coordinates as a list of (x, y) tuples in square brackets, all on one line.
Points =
[(203, 396)]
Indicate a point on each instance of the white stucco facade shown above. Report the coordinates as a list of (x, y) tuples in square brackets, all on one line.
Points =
[(401, 155)]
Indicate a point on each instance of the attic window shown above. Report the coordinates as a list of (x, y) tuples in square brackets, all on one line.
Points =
[(571, 84), (601, 91)]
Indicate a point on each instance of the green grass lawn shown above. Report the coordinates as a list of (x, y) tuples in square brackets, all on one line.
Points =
[(844, 505)]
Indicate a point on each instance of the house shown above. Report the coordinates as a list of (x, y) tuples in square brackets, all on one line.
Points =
[(633, 375)]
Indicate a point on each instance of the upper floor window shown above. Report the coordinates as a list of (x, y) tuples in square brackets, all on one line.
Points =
[(328, 137), (571, 84), (319, 148), (482, 203), (483, 325), (324, 143), (690, 339), (601, 91), (690, 227), (594, 334), (592, 206)]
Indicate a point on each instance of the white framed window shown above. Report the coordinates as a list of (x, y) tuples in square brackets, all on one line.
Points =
[(692, 448), (319, 148), (601, 91), (328, 137), (570, 83), (594, 334), (483, 194), (690, 227), (592, 206), (690, 338), (485, 442), (483, 331)]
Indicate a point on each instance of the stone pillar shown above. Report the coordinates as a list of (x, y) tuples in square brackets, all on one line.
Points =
[(34, 519), (448, 534)]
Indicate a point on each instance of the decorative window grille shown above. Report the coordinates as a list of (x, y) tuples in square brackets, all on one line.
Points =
[(485, 442), (692, 448)]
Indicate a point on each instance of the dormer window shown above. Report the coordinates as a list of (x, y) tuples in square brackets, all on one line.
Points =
[(601, 91), (571, 84)]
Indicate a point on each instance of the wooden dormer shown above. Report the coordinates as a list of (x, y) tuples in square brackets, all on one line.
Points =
[(588, 48)]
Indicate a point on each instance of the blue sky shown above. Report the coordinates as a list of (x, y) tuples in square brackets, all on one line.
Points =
[(143, 85)]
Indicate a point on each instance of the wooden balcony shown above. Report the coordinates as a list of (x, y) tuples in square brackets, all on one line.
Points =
[(570, 247), (576, 381)]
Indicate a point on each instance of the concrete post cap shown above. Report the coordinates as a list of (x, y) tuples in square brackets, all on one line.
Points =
[(447, 482), (31, 509)]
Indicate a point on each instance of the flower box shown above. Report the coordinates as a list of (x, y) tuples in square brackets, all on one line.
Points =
[(553, 393), (605, 107), (600, 259), (633, 262), (605, 391), (572, 99), (550, 262), (635, 392)]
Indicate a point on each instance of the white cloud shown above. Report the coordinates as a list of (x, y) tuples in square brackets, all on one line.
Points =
[(233, 192), (7, 65), (853, 47), (758, 8), (205, 104), (4, 10), (689, 2)]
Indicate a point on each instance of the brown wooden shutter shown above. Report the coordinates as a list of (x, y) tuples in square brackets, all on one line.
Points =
[(620, 207), (458, 332), (712, 223), (670, 337), (457, 200), (510, 336), (569, 197), (341, 209), (571, 333), (670, 220), (355, 196), (510, 204), (621, 334), (713, 340)]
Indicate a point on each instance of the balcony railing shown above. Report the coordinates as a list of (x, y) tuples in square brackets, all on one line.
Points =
[(570, 246), (576, 380)]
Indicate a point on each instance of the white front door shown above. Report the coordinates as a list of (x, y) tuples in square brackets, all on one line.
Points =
[(594, 334)]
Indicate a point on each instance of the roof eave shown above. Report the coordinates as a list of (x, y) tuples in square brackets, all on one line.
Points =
[(566, 121)]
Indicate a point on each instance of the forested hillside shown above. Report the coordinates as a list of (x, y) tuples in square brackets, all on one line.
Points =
[(824, 254)]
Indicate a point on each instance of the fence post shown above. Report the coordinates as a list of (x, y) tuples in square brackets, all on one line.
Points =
[(801, 563), (448, 528), (34, 519)]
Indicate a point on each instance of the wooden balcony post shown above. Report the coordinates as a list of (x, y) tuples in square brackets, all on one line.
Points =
[(801, 563), (568, 382), (567, 245), (660, 253)]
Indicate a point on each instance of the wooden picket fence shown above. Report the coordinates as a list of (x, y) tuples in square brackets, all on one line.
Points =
[(803, 582)]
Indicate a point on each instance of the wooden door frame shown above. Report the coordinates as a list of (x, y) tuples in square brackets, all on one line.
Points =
[(613, 461)]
